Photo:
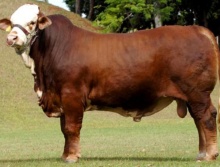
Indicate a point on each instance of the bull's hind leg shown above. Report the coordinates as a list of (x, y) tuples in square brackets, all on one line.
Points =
[(71, 123), (202, 141), (204, 115)]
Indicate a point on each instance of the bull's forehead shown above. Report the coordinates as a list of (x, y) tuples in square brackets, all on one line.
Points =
[(25, 14)]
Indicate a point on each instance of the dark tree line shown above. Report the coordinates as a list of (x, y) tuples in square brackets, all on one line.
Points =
[(91, 8), (128, 15)]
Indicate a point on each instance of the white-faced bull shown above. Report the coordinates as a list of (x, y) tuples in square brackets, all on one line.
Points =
[(135, 74)]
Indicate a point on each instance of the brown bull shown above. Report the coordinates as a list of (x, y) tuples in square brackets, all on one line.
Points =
[(136, 74)]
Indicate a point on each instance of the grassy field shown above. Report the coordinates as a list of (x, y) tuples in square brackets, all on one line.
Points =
[(29, 138)]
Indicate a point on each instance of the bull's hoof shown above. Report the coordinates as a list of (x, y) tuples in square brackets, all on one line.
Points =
[(207, 157), (71, 158)]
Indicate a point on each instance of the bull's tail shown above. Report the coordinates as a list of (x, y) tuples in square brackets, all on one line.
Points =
[(212, 39), (218, 54), (216, 47), (218, 66)]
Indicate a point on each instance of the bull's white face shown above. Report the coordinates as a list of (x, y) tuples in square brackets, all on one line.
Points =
[(22, 28), (23, 24), (25, 16)]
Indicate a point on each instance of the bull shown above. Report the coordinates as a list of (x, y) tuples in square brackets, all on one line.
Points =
[(135, 74)]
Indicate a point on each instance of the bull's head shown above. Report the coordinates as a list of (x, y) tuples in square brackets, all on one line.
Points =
[(23, 25)]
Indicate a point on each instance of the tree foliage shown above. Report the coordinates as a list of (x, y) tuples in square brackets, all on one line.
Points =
[(130, 15), (124, 15)]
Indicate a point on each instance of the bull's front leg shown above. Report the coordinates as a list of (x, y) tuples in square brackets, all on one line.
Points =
[(71, 123)]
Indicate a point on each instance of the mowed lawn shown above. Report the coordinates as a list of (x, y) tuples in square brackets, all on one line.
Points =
[(107, 139)]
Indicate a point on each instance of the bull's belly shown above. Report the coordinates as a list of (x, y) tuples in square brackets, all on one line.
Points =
[(136, 114)]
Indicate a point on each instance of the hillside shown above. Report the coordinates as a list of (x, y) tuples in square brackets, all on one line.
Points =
[(18, 102), (8, 7)]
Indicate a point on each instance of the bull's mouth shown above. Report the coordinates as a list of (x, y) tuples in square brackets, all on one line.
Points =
[(18, 48), (15, 44)]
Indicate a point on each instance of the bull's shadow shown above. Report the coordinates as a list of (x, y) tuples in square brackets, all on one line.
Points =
[(161, 159), (156, 159)]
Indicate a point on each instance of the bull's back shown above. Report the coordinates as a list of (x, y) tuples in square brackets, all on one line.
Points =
[(148, 48), (146, 54)]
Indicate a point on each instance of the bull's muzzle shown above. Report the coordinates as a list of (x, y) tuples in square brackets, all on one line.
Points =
[(12, 39)]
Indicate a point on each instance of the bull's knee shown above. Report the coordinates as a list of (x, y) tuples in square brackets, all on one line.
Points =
[(72, 129)]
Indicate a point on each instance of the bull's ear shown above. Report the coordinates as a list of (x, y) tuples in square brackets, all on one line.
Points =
[(5, 24), (43, 22)]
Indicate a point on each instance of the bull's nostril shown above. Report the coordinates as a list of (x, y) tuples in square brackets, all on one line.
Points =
[(10, 42), (15, 37)]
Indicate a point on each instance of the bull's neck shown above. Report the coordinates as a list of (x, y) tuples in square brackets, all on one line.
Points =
[(24, 51)]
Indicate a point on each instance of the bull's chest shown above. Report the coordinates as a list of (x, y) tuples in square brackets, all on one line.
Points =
[(137, 114)]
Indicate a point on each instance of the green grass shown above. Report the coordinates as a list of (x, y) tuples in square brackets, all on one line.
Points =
[(107, 139), (29, 138)]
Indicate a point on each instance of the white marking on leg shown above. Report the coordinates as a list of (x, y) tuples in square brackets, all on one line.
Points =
[(56, 115), (39, 93)]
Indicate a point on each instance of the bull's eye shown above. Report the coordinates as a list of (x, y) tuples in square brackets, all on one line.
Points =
[(32, 23)]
